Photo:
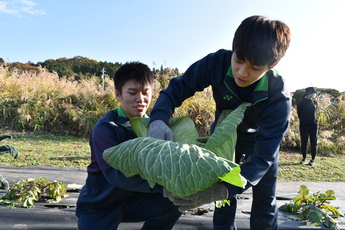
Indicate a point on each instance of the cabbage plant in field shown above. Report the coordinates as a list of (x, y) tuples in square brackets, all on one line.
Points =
[(183, 166)]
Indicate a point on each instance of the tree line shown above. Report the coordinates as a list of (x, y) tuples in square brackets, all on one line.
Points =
[(79, 67)]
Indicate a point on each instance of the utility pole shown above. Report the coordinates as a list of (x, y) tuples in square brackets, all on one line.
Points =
[(103, 71)]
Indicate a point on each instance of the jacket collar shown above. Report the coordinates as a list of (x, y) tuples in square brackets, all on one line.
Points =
[(122, 113), (260, 92)]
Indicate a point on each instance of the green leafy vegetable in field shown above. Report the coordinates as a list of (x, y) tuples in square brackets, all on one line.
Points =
[(315, 208), (25, 192), (181, 165)]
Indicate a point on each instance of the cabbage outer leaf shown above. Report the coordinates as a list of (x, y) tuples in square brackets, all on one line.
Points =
[(183, 169), (222, 142)]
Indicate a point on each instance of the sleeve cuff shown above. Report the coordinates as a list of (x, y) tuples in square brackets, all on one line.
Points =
[(159, 115), (233, 190)]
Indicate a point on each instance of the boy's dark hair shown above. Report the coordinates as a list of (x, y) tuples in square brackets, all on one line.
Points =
[(261, 41), (136, 71)]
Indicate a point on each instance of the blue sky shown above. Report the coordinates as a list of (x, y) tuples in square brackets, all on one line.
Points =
[(173, 33)]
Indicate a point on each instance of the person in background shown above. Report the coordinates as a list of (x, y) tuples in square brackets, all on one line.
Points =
[(108, 197), (244, 74), (307, 114)]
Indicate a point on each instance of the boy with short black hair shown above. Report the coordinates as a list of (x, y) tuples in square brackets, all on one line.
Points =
[(108, 197), (242, 75)]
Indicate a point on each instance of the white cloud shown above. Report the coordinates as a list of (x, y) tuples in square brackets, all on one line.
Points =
[(5, 8), (29, 7), (19, 7)]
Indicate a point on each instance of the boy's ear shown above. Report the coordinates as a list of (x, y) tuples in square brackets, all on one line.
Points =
[(118, 95)]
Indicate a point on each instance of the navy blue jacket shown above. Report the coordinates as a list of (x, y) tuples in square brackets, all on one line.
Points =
[(105, 186), (111, 130), (266, 120)]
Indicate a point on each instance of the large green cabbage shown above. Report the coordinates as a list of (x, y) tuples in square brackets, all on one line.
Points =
[(181, 165), (183, 169)]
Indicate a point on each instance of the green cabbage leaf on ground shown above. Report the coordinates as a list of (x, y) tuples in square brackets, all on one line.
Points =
[(183, 166)]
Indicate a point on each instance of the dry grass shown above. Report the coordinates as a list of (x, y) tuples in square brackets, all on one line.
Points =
[(200, 108), (43, 101)]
